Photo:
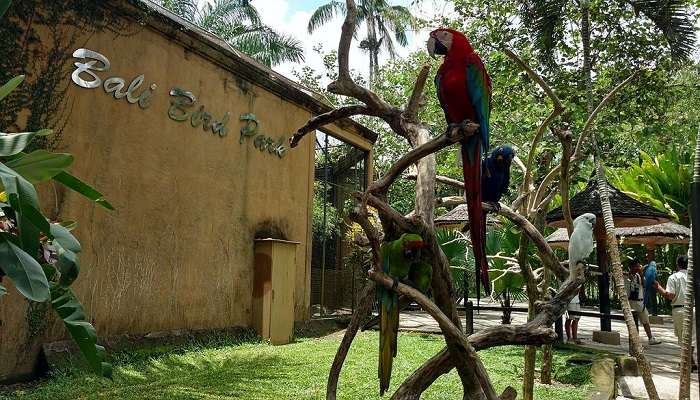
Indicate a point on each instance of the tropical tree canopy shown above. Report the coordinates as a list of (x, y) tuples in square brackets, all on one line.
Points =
[(238, 23), (381, 18)]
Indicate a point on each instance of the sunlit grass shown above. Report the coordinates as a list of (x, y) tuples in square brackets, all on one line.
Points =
[(253, 370)]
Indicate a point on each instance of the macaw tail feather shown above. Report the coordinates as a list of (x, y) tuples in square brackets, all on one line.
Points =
[(471, 166), (388, 333)]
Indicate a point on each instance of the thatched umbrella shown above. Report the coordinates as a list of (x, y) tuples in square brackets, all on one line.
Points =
[(627, 212), (458, 217), (649, 236)]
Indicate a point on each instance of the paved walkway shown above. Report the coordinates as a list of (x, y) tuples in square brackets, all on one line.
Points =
[(664, 357)]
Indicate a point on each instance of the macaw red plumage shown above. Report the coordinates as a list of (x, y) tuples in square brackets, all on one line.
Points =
[(464, 91)]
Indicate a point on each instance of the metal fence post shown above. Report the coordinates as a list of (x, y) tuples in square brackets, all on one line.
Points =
[(469, 317)]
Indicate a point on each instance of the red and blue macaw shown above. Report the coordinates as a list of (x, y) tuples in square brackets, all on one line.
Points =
[(464, 91)]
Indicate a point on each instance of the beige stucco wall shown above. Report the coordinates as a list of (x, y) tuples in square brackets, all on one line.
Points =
[(178, 250)]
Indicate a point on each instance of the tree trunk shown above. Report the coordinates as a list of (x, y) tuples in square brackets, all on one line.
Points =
[(614, 257), (532, 297), (687, 339), (372, 48), (546, 375)]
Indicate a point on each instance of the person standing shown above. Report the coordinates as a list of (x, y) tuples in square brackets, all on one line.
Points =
[(675, 292), (635, 293), (571, 324)]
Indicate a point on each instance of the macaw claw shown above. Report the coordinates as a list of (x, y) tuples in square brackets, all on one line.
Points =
[(496, 205)]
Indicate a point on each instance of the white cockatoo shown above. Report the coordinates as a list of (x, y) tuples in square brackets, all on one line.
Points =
[(581, 242)]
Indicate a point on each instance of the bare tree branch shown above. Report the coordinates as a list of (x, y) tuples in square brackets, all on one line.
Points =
[(446, 139), (328, 118), (364, 307), (413, 106), (558, 109), (441, 179), (585, 133), (536, 77), (591, 118)]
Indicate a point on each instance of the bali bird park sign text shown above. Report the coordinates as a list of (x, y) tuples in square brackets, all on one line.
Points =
[(182, 104)]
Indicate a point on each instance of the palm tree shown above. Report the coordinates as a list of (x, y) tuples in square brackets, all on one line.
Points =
[(238, 23), (381, 19)]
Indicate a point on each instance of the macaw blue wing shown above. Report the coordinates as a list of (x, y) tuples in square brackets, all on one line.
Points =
[(479, 92)]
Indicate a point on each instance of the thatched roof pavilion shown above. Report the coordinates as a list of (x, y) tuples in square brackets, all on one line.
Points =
[(659, 234), (627, 212)]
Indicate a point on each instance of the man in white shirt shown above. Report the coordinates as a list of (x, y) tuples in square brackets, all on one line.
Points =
[(675, 292), (635, 293)]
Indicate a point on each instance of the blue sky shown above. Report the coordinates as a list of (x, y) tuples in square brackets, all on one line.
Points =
[(305, 5)]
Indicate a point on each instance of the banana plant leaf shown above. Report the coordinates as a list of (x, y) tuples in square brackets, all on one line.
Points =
[(24, 201), (17, 80), (67, 247), (40, 165), (67, 306), (83, 188), (26, 273)]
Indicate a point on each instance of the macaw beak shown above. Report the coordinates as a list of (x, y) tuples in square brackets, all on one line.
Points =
[(431, 47), (435, 48)]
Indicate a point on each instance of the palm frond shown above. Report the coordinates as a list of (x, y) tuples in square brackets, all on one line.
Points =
[(385, 37), (325, 13), (672, 18), (186, 9), (546, 19), (228, 11), (268, 46)]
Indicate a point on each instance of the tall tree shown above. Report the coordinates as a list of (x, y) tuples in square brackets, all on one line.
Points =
[(381, 19), (238, 23)]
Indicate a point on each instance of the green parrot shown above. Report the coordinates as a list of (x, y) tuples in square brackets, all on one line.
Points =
[(401, 261)]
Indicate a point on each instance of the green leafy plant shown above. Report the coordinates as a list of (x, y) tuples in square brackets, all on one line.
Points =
[(455, 245), (662, 181), (507, 282), (38, 255)]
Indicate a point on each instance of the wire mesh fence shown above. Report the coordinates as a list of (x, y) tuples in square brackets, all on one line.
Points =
[(336, 278)]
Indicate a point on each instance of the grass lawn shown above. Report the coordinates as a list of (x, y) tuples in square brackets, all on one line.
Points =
[(228, 368)]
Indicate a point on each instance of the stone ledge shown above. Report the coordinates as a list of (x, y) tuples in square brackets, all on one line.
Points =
[(656, 320), (627, 365), (603, 377), (612, 338)]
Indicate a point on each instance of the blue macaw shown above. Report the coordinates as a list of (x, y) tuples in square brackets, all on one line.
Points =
[(495, 176)]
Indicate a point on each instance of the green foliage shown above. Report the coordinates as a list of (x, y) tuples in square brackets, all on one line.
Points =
[(38, 256), (239, 24), (670, 17), (255, 370), (662, 181), (329, 227), (507, 282), (455, 245)]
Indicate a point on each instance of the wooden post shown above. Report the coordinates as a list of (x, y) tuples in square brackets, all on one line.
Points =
[(604, 277)]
